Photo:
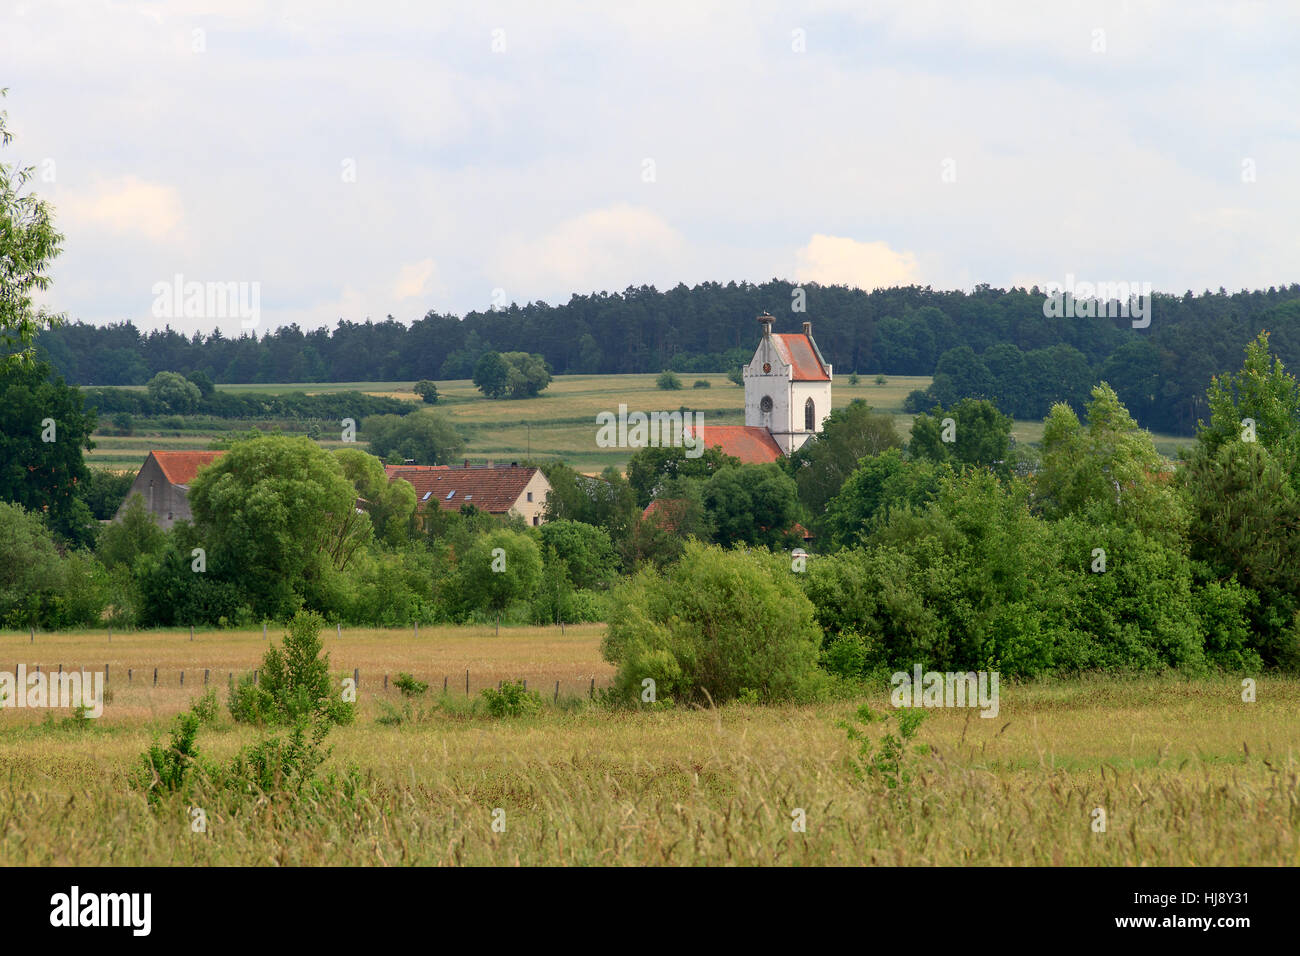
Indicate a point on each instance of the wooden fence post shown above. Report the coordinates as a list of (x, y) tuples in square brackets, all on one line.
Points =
[(155, 677), (205, 677), (385, 683), (338, 627), (191, 632), (182, 678), (128, 675), (467, 682), (557, 692), (263, 630), (444, 683), (593, 688), (33, 640), (356, 676), (105, 673)]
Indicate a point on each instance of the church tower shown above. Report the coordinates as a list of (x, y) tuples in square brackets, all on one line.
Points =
[(787, 386)]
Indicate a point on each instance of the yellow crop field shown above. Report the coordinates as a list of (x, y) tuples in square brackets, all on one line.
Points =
[(1183, 771)]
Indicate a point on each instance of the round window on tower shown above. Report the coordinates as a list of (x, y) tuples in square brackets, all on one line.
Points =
[(765, 406)]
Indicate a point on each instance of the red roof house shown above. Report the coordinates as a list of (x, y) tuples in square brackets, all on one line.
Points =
[(496, 489)]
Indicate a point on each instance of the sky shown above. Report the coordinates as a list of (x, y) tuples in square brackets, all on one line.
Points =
[(362, 160)]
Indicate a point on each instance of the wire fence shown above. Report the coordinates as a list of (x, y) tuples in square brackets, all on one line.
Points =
[(461, 683)]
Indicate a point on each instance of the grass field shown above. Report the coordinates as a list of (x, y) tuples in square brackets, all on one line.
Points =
[(1186, 772), (559, 423)]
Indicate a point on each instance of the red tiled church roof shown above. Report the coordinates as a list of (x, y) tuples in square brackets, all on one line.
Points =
[(797, 351), (493, 489), (180, 467), (752, 444)]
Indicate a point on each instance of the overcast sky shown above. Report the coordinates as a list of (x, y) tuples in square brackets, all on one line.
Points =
[(360, 160)]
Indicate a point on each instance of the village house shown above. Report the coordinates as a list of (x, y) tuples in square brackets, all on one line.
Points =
[(164, 483), (502, 490)]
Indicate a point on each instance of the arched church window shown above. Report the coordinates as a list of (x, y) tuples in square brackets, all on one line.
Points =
[(809, 416)]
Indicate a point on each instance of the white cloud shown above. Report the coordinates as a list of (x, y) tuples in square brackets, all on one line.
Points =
[(126, 206), (604, 249), (836, 260), (415, 280)]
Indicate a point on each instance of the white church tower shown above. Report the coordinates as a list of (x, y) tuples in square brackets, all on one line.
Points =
[(787, 387)]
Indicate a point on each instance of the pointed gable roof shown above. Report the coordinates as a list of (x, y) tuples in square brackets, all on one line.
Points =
[(798, 351), (180, 467)]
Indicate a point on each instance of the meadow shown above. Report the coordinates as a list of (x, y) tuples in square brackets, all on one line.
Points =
[(559, 423), (1186, 772)]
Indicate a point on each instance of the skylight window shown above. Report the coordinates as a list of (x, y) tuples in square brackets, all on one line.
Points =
[(450, 493)]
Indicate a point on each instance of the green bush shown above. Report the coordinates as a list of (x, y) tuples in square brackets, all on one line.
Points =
[(294, 682), (206, 707), (715, 623), (168, 769), (409, 686), (891, 761), (702, 383), (511, 700), (669, 381), (274, 765)]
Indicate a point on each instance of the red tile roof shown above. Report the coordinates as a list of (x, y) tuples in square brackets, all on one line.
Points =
[(180, 467), (796, 350), (752, 444), (665, 510), (494, 489)]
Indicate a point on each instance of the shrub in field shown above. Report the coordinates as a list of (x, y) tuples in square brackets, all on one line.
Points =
[(409, 686), (167, 769), (294, 684), (668, 381), (890, 761), (511, 700), (206, 707), (276, 765), (702, 383), (716, 622)]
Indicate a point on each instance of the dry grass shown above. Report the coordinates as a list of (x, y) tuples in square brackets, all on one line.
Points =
[(1188, 774), (540, 655)]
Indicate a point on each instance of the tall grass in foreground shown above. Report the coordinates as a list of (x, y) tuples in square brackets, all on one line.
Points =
[(1186, 773)]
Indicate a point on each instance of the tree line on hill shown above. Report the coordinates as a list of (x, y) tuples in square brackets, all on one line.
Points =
[(988, 343), (168, 394)]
